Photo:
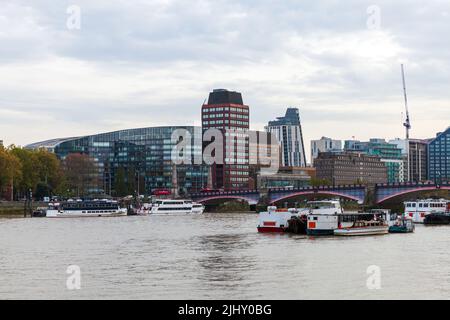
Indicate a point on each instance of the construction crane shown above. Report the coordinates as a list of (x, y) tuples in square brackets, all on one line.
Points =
[(407, 123)]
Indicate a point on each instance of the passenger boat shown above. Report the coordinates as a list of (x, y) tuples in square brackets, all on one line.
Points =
[(197, 208), (81, 209), (176, 207), (140, 210), (364, 228), (404, 224), (384, 214), (419, 209), (276, 220), (323, 217)]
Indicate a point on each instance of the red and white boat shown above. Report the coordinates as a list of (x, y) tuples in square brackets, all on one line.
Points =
[(419, 209), (275, 220)]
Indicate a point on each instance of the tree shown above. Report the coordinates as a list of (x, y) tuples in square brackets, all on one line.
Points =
[(80, 173), (10, 171), (120, 185), (315, 182), (39, 167)]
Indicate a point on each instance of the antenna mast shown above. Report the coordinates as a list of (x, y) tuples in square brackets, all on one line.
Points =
[(407, 123)]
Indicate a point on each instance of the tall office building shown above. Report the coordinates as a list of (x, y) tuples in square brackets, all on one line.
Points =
[(226, 112), (439, 157), (389, 154), (288, 131), (416, 155), (324, 145)]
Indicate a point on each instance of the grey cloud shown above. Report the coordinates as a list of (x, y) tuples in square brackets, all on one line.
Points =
[(180, 50)]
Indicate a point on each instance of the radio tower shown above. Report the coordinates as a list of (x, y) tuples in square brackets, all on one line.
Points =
[(407, 123)]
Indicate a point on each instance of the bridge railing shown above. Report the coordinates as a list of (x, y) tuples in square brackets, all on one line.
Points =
[(280, 189), (225, 193), (412, 184), (312, 188)]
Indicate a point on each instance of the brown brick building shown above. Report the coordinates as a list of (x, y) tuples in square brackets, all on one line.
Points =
[(226, 112), (350, 168)]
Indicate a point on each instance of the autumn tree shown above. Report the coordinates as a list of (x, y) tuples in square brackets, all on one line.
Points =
[(40, 170), (10, 171)]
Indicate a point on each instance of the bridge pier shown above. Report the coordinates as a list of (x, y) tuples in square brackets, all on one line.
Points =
[(264, 200)]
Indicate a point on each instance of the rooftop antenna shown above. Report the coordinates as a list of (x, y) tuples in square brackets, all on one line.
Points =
[(407, 123)]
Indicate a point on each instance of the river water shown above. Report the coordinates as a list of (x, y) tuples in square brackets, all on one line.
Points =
[(214, 256)]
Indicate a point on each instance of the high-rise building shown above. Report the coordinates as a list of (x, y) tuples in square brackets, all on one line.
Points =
[(226, 112), (350, 168), (288, 131), (324, 145), (439, 157), (134, 157), (389, 154), (416, 155)]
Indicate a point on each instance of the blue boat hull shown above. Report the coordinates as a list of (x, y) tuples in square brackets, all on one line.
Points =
[(317, 232)]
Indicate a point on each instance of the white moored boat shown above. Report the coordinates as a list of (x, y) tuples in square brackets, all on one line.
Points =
[(176, 207), (81, 209), (364, 228), (197, 208), (419, 209), (323, 217), (276, 220)]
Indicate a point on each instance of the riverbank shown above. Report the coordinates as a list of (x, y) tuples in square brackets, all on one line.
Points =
[(15, 208)]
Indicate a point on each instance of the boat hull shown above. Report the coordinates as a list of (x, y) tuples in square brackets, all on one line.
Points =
[(437, 219), (271, 230), (318, 232), (85, 215), (370, 231)]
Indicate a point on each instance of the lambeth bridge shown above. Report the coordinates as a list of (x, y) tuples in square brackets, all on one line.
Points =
[(377, 194)]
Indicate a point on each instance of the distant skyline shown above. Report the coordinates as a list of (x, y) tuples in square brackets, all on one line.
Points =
[(152, 63)]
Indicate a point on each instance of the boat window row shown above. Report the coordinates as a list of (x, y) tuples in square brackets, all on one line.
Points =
[(100, 211), (175, 209), (426, 205)]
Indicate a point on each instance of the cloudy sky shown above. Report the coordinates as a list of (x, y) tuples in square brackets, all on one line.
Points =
[(149, 63)]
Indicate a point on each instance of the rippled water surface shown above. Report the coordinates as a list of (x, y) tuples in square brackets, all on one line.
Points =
[(214, 256)]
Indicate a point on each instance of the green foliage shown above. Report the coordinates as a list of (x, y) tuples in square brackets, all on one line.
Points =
[(120, 185), (26, 169), (315, 182), (10, 170)]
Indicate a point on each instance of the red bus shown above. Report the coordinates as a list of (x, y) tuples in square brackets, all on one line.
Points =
[(162, 192)]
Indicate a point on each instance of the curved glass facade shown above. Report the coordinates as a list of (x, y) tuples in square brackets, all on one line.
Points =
[(140, 157)]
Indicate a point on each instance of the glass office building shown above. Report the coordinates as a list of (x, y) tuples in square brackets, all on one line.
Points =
[(142, 155), (439, 157), (288, 131)]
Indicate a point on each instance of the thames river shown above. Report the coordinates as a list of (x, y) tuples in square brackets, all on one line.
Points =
[(214, 256)]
